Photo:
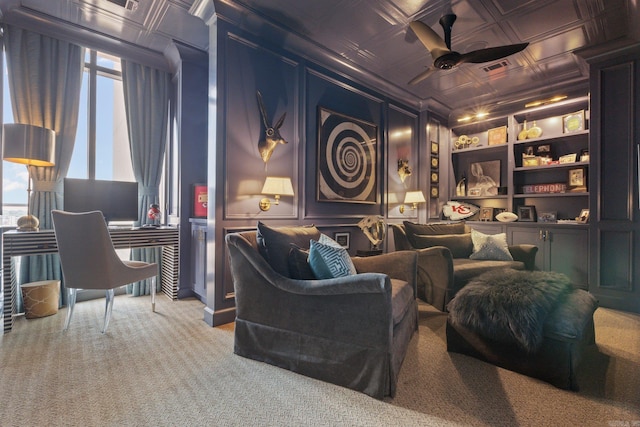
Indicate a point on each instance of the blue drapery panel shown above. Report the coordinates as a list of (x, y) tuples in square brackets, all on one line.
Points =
[(45, 77), (146, 100)]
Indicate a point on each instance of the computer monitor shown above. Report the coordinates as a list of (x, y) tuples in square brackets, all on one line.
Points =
[(117, 200)]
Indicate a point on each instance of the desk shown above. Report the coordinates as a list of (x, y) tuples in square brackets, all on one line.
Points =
[(44, 242)]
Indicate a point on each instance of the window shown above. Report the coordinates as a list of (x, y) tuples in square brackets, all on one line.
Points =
[(101, 149)]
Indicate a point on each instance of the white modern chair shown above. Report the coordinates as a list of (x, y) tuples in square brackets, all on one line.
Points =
[(89, 260)]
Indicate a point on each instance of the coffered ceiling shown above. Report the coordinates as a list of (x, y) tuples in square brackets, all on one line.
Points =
[(371, 40)]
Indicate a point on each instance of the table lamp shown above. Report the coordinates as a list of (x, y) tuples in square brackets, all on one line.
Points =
[(31, 146)]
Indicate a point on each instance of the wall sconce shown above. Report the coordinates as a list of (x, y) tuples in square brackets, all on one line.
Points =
[(413, 197), (30, 146), (278, 186)]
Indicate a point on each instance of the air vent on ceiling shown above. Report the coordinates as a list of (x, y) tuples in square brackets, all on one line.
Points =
[(130, 5), (494, 66)]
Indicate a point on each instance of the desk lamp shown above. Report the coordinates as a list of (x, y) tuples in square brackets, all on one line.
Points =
[(31, 146)]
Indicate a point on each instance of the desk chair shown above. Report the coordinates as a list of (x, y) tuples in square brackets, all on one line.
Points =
[(89, 260)]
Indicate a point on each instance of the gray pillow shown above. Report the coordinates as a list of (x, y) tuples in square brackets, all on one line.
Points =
[(275, 243), (460, 245), (490, 246)]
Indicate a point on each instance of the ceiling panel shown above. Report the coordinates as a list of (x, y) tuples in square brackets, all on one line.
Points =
[(373, 36)]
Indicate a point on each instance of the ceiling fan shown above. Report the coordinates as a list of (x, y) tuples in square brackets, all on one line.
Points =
[(444, 58)]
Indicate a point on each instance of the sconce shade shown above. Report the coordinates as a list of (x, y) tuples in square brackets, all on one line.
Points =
[(414, 197), (280, 186), (28, 145)]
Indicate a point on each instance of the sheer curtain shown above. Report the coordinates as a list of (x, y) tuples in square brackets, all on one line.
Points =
[(45, 77), (146, 98)]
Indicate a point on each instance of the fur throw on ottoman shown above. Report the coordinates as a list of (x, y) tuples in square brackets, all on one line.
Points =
[(510, 305)]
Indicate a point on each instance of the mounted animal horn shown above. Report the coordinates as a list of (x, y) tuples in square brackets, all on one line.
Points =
[(271, 134)]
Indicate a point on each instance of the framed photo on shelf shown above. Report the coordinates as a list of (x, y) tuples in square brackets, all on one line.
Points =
[(527, 213), (497, 136), (577, 179), (483, 178), (342, 238), (573, 122), (548, 217), (486, 214), (347, 159), (584, 216)]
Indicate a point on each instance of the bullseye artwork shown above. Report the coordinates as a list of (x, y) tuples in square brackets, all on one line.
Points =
[(347, 159)]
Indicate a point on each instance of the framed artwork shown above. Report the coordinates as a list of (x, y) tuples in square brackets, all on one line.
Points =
[(343, 239), (435, 162), (483, 178), (435, 148), (584, 216), (497, 135), (435, 192), (347, 159), (527, 213), (573, 122), (486, 214), (548, 217), (577, 178), (435, 177)]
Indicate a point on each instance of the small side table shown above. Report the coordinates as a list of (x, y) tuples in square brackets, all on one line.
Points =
[(371, 252)]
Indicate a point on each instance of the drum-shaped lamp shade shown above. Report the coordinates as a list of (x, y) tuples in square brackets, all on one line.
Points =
[(29, 145)]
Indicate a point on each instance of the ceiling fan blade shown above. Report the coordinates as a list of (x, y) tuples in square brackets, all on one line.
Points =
[(491, 53), (430, 39), (420, 77)]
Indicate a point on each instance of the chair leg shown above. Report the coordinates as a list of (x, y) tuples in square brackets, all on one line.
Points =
[(153, 293), (71, 303), (108, 309)]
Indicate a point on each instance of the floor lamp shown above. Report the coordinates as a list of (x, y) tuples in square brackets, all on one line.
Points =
[(30, 146)]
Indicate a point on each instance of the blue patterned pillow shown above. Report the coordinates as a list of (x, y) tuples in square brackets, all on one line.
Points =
[(486, 246), (329, 259)]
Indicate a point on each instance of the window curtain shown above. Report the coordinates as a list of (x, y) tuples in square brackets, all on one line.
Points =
[(146, 98), (45, 77)]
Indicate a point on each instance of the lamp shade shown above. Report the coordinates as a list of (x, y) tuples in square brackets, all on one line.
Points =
[(276, 185), (29, 145), (414, 197)]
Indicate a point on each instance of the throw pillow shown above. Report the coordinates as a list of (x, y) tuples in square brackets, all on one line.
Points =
[(329, 261), (460, 245), (487, 246), (413, 229), (275, 243), (299, 267)]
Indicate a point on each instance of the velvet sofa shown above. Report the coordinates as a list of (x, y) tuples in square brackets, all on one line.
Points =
[(352, 331), (444, 258)]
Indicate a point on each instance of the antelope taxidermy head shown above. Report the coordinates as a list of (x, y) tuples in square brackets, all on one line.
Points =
[(272, 135)]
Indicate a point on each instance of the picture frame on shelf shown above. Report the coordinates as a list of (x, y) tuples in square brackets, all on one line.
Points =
[(497, 136), (343, 238), (548, 216), (486, 214), (567, 158), (484, 178), (584, 155), (527, 213), (573, 122), (347, 165), (577, 179), (583, 218)]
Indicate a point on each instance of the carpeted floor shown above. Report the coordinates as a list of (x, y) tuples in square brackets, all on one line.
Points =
[(170, 369)]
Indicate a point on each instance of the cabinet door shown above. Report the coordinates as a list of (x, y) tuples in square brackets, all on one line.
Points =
[(615, 214), (530, 236), (568, 252), (199, 260)]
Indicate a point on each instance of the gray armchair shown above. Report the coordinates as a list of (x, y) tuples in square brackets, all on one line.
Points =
[(351, 331)]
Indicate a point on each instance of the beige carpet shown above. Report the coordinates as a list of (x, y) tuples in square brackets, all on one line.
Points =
[(171, 369)]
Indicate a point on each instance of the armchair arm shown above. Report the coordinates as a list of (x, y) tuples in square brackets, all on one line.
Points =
[(525, 253), (397, 265)]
